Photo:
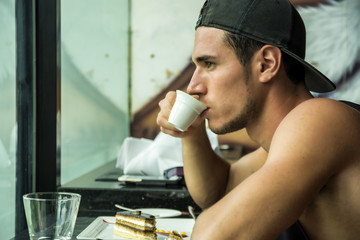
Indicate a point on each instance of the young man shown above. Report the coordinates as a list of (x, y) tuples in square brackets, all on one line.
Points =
[(250, 73)]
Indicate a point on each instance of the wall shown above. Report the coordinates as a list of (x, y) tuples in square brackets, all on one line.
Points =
[(333, 44), (162, 41), (162, 48)]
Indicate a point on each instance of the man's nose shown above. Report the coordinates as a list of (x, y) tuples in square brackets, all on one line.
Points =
[(196, 85)]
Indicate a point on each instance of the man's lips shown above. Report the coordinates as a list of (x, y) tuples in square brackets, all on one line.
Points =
[(203, 114)]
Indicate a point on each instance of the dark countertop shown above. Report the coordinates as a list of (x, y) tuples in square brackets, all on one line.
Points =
[(81, 224), (99, 197)]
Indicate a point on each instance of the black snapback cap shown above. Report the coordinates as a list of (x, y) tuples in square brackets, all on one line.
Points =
[(274, 22)]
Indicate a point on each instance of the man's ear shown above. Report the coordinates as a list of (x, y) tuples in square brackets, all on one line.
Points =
[(270, 62)]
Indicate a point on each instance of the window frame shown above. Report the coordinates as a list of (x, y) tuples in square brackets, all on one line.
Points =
[(38, 94)]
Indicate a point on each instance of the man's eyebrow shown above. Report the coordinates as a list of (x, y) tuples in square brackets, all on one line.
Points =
[(203, 58)]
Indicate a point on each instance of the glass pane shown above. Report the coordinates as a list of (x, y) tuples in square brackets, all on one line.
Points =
[(94, 85), (8, 120)]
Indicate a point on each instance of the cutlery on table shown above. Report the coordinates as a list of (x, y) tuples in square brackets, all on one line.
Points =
[(130, 209), (191, 211)]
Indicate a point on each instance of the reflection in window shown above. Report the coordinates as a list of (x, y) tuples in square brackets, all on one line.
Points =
[(8, 121), (94, 83)]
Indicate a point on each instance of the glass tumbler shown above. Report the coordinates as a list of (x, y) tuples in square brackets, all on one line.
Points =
[(51, 215)]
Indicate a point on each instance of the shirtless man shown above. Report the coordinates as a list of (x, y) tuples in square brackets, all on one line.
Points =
[(307, 168)]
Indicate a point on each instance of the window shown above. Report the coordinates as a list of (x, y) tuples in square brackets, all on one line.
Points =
[(85, 123), (94, 83), (8, 121)]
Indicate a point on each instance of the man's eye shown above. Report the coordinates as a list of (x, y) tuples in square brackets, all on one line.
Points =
[(209, 64)]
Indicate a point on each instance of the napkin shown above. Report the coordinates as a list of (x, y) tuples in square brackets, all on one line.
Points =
[(140, 156)]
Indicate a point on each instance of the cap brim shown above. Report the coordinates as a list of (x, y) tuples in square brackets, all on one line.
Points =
[(314, 79)]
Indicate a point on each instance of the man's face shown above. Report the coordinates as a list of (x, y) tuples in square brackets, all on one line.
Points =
[(223, 84)]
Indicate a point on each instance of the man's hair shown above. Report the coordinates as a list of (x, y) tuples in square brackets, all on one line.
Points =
[(245, 48)]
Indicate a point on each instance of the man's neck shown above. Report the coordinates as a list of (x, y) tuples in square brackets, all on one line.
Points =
[(277, 104)]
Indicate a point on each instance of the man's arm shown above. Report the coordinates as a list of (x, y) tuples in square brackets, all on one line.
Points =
[(304, 154), (205, 172), (208, 176)]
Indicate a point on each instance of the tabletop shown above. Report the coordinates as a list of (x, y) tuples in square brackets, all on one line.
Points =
[(81, 224)]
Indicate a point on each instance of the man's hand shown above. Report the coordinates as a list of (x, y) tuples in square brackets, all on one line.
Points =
[(162, 119)]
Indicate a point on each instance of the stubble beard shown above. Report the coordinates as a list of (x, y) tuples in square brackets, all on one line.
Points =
[(241, 120)]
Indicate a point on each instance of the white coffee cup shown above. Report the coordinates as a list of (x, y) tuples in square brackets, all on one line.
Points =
[(185, 110)]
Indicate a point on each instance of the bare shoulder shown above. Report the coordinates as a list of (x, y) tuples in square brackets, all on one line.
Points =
[(321, 130), (324, 134), (324, 115), (326, 104)]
